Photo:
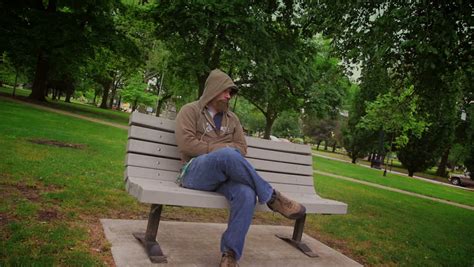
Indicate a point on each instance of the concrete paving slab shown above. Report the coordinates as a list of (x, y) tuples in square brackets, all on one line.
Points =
[(197, 244)]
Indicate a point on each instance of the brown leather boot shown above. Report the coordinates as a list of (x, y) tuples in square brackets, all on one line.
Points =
[(228, 259), (286, 207)]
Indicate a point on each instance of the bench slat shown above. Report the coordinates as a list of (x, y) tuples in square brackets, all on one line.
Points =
[(149, 148), (147, 121), (155, 136), (281, 167), (149, 161), (152, 135), (149, 191), (285, 188), (268, 176)]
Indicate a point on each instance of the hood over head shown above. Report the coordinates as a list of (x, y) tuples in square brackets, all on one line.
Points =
[(216, 83)]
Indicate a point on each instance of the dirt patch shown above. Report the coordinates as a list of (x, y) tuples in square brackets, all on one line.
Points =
[(48, 215), (3, 220), (338, 244), (31, 192), (97, 243), (57, 143)]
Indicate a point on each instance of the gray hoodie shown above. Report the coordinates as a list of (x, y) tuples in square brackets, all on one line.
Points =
[(196, 133)]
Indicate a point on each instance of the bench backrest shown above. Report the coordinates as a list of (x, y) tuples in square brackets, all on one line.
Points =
[(152, 153)]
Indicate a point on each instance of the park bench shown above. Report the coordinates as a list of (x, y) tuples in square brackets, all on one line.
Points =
[(153, 162)]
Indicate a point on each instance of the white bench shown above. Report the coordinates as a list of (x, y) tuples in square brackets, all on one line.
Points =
[(153, 161)]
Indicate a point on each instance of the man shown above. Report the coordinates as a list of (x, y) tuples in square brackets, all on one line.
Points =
[(212, 144)]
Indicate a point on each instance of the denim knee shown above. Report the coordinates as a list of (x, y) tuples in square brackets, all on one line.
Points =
[(228, 153), (244, 195)]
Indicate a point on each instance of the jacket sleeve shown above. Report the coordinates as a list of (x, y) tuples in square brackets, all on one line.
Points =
[(239, 138), (186, 138)]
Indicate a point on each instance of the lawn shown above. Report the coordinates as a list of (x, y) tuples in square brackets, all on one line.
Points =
[(394, 165), (88, 110), (406, 183), (53, 198), (390, 229)]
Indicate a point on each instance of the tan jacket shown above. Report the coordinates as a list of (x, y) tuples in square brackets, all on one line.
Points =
[(196, 133)]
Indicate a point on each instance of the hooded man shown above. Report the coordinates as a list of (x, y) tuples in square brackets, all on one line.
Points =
[(211, 141)]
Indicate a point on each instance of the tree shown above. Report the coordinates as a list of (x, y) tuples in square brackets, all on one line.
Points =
[(298, 74), (288, 125), (135, 92), (422, 43), (396, 115), (58, 36), (198, 33), (265, 46)]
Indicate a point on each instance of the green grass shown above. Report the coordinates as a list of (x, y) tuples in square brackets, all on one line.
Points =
[(53, 198), (18, 91), (388, 228), (88, 110), (50, 193), (396, 181), (395, 164)]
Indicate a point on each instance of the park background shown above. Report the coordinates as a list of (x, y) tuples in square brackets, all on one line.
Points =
[(367, 82)]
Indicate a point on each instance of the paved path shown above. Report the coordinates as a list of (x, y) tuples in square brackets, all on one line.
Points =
[(395, 190), (197, 244), (64, 112), (399, 173)]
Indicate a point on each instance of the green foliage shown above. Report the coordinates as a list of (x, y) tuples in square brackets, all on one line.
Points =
[(252, 119), (287, 125), (135, 92), (421, 43), (395, 114), (8, 73), (266, 47)]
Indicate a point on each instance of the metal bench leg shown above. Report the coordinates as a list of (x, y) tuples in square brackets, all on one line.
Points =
[(296, 239), (148, 239)]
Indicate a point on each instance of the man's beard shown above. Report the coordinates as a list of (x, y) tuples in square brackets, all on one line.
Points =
[(221, 105)]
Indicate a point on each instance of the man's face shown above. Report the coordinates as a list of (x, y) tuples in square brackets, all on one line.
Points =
[(221, 102)]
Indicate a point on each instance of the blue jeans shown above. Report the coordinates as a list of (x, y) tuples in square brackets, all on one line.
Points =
[(226, 171)]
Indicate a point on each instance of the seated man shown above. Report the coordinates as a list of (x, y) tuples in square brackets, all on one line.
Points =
[(212, 144)]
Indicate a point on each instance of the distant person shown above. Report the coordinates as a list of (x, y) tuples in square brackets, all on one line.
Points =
[(212, 146)]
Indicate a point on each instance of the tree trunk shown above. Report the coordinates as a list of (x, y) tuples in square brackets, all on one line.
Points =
[(112, 96), (69, 93), (268, 127), (159, 106), (16, 80), (119, 102), (54, 94), (325, 145), (41, 74), (319, 143), (105, 94), (411, 172), (334, 146), (202, 82), (135, 104), (354, 159), (369, 158), (441, 171)]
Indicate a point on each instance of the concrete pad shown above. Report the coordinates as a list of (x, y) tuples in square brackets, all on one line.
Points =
[(197, 244)]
